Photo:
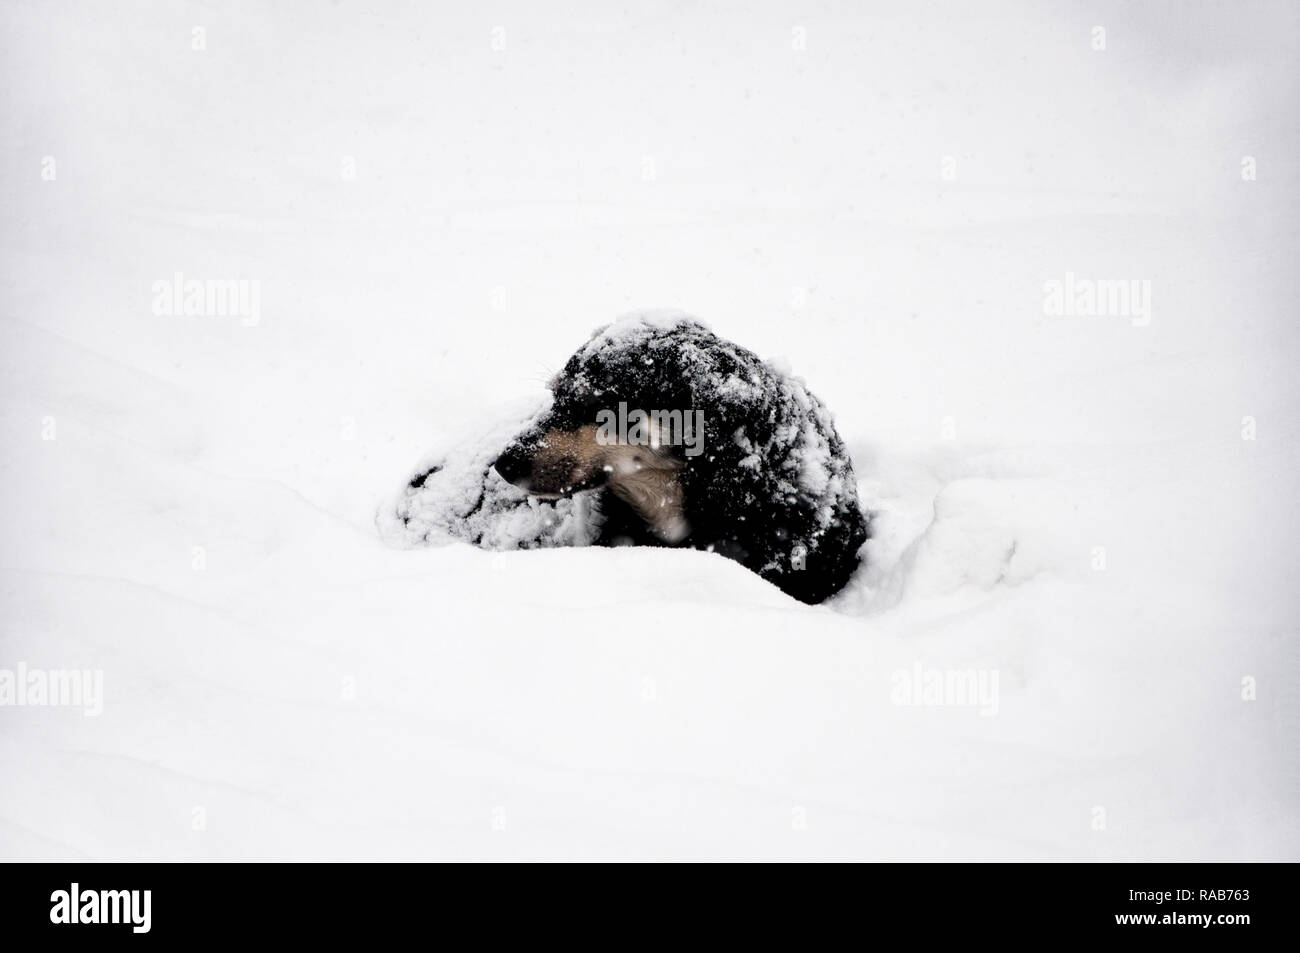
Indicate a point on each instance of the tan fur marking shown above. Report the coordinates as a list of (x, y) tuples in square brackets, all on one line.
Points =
[(565, 460), (644, 477)]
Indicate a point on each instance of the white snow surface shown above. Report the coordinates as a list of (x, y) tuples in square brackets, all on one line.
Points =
[(1099, 510)]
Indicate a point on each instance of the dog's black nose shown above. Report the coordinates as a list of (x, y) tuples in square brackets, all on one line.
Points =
[(513, 467)]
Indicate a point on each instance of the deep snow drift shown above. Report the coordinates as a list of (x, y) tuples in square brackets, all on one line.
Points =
[(1076, 634)]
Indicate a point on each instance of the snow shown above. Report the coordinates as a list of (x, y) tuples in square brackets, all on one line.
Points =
[(633, 325), (1099, 510)]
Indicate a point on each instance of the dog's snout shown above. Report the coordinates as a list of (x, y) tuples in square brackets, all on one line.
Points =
[(513, 467)]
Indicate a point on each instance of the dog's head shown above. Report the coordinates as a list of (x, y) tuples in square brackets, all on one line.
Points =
[(618, 419)]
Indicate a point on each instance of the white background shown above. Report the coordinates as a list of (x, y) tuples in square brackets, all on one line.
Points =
[(310, 693)]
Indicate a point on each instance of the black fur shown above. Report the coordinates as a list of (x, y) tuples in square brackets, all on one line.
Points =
[(773, 488)]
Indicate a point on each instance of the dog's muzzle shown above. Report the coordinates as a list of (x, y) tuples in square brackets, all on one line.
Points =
[(515, 467)]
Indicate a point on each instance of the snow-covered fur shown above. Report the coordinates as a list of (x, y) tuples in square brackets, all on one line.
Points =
[(772, 487)]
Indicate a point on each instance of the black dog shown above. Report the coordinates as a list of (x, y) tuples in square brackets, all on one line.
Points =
[(690, 440)]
